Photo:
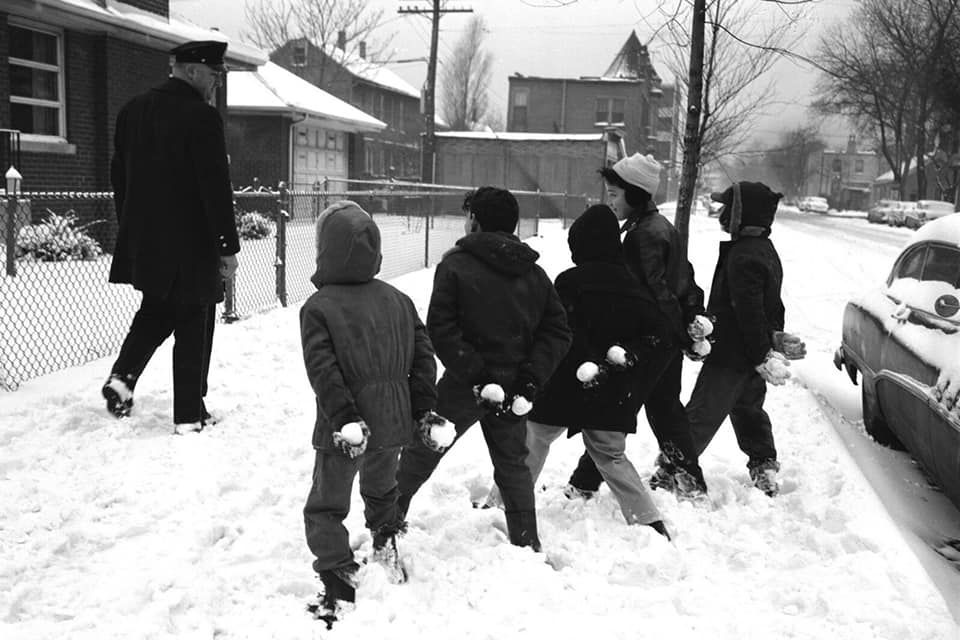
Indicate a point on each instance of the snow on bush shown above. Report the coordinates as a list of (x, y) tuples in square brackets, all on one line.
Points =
[(57, 239), (253, 226)]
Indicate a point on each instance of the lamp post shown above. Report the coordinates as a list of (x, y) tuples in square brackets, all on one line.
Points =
[(12, 182)]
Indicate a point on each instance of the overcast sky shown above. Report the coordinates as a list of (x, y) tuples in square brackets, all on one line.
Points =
[(570, 41)]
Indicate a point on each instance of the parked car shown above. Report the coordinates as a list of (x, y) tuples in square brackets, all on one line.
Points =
[(902, 339), (814, 204), (897, 215), (925, 211), (878, 212)]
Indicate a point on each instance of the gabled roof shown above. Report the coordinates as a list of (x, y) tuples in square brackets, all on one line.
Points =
[(273, 89), (129, 22), (373, 72), (632, 62)]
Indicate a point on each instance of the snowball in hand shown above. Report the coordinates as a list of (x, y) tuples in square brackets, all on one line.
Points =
[(616, 355), (352, 432), (704, 325), (701, 348), (443, 434), (587, 371), (492, 392), (521, 406)]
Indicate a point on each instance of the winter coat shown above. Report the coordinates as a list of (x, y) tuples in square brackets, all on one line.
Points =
[(494, 315), (606, 305), (745, 298), (173, 197), (367, 354), (651, 248)]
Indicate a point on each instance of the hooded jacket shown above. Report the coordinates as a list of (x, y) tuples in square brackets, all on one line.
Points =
[(745, 293), (605, 305), (651, 248), (367, 355), (494, 315)]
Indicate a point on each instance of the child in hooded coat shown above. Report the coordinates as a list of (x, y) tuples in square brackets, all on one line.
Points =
[(606, 306), (372, 368)]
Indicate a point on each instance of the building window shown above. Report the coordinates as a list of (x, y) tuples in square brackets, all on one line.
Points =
[(402, 126), (858, 165), (300, 53), (837, 165), (520, 98), (610, 110), (36, 81)]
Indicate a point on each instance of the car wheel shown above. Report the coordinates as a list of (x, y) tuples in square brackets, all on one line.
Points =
[(874, 423)]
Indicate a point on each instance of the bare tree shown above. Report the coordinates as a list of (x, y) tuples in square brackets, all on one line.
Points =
[(880, 70), (274, 23), (465, 79), (790, 158)]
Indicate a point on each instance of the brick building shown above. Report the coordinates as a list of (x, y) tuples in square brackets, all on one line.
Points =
[(628, 97), (281, 127), (70, 67), (845, 177), (372, 88)]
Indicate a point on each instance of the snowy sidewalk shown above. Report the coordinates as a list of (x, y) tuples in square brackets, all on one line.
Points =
[(116, 529)]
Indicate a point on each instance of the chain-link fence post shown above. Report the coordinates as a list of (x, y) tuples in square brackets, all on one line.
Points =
[(326, 190), (11, 234), (282, 207), (426, 233)]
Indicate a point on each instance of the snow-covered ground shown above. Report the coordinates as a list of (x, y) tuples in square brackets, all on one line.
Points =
[(116, 529)]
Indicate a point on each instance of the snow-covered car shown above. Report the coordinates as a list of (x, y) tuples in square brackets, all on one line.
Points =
[(814, 204), (897, 215), (878, 212), (904, 341), (925, 211)]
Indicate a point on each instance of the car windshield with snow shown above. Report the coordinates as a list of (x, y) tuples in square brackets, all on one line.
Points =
[(904, 341)]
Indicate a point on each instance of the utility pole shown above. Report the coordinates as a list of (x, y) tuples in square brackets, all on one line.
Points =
[(429, 145), (691, 137)]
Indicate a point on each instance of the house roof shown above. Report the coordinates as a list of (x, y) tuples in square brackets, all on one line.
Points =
[(374, 72), (273, 89), (149, 28), (517, 135), (632, 61)]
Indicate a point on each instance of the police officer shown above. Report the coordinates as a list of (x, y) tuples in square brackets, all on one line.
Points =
[(177, 240)]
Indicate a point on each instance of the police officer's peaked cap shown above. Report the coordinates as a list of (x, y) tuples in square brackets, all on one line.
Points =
[(208, 52)]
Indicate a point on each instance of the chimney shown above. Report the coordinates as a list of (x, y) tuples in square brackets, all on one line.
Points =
[(342, 40), (363, 50)]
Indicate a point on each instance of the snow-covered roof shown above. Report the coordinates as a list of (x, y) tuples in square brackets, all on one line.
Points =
[(273, 89), (945, 229), (518, 135), (170, 32), (374, 72)]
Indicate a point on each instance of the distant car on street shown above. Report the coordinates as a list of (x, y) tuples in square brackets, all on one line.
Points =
[(902, 339), (896, 216), (925, 211), (878, 212), (814, 204)]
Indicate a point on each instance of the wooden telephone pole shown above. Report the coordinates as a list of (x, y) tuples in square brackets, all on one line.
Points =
[(429, 146)]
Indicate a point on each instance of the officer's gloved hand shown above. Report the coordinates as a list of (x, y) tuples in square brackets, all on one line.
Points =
[(789, 345), (435, 431), (352, 438), (775, 368)]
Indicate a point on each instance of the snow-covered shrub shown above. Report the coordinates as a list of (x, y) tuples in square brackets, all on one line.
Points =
[(57, 239), (252, 225)]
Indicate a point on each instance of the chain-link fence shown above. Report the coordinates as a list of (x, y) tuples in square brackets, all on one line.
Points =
[(58, 310)]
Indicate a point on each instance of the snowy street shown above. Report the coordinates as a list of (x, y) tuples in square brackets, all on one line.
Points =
[(117, 529)]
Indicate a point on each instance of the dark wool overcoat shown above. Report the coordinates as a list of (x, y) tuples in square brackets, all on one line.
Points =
[(745, 298), (494, 314), (173, 197), (651, 248), (366, 352), (606, 305)]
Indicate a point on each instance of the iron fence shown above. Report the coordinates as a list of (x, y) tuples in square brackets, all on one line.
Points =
[(58, 310)]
